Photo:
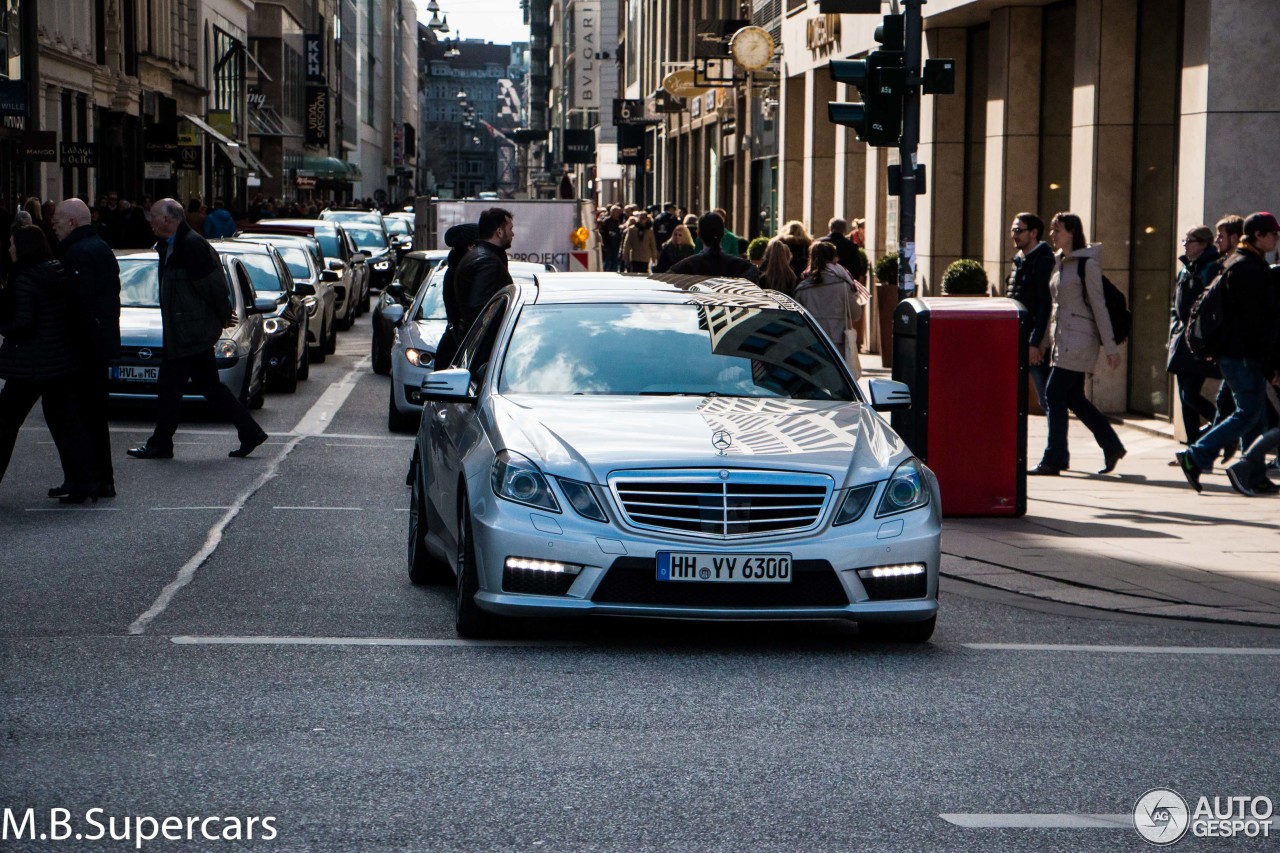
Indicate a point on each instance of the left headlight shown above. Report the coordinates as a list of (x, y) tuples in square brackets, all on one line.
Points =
[(275, 325), (516, 479), (382, 266), (226, 349), (906, 490), (419, 357)]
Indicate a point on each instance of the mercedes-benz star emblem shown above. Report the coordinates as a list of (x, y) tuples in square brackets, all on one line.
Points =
[(721, 441), (144, 353)]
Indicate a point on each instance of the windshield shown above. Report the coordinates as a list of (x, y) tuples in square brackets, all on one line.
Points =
[(329, 244), (366, 236), (140, 283), (399, 226), (262, 272), (661, 349), (296, 260), (431, 306)]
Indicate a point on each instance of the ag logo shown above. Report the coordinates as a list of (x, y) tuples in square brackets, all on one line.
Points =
[(1161, 816)]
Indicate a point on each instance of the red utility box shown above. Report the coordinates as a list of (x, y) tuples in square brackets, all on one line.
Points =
[(965, 361)]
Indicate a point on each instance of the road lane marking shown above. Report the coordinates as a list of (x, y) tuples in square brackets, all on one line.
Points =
[(322, 412), (368, 445), (324, 508), (312, 423), (1039, 821), (71, 509), (360, 641), (181, 508), (360, 437), (1137, 650)]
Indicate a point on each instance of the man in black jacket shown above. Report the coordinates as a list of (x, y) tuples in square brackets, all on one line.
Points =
[(1029, 284), (1245, 352), (664, 223), (94, 279), (194, 309), (483, 272), (847, 252)]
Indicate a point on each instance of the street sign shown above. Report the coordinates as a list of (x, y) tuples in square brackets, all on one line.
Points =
[(680, 84)]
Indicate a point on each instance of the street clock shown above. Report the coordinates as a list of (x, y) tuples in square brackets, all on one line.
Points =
[(752, 48)]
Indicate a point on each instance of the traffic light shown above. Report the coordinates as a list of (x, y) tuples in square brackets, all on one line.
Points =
[(881, 80)]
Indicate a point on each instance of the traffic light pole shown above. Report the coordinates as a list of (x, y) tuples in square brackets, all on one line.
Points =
[(913, 34)]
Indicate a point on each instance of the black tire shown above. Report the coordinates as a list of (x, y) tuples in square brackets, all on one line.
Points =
[(424, 569), (320, 351), (243, 396), (286, 382), (304, 369), (331, 341), (381, 360), (398, 421), (470, 620), (898, 632)]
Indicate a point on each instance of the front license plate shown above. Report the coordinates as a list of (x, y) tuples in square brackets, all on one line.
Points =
[(130, 373), (724, 568)]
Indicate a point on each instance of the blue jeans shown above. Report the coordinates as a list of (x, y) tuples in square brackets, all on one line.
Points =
[(1065, 391), (1039, 379), (1244, 376)]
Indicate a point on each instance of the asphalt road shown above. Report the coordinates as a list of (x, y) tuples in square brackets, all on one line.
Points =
[(125, 689)]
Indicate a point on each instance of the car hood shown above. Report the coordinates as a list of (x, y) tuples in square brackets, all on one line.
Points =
[(424, 334), (588, 438), (141, 327)]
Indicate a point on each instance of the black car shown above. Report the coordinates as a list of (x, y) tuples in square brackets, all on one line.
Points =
[(410, 275), (341, 254), (371, 238), (286, 326)]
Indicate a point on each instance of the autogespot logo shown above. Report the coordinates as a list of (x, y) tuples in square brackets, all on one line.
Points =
[(1161, 816)]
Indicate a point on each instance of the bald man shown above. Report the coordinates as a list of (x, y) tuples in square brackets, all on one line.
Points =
[(94, 276)]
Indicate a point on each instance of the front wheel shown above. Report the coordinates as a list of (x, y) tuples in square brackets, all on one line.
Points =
[(381, 360), (898, 632), (331, 341), (423, 568), (398, 421), (470, 620)]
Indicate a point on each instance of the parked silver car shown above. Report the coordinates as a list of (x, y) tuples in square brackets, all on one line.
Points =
[(676, 448), (240, 352)]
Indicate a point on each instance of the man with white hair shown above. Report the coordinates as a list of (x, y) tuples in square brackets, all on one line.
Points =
[(94, 277), (195, 307)]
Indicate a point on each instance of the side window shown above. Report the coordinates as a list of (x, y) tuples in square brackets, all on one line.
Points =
[(246, 285), (286, 277), (408, 275), (477, 350)]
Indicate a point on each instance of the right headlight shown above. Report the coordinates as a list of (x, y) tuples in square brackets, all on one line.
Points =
[(516, 479), (226, 349), (905, 491)]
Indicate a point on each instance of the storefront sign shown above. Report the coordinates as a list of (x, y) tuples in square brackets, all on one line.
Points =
[(13, 98), (631, 145), (157, 171), (586, 61), (822, 35), (78, 154), (162, 141), (579, 146), (187, 134), (40, 146), (189, 157), (257, 98), (317, 122), (313, 55), (305, 182), (220, 120)]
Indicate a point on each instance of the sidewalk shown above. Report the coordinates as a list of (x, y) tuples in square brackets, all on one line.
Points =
[(1139, 540)]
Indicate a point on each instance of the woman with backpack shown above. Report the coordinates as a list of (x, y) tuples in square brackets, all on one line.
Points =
[(1081, 325)]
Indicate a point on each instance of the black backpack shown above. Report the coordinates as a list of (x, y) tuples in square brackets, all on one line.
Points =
[(1206, 329), (1117, 306)]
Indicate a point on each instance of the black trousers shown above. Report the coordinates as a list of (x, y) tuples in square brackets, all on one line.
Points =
[(1194, 406), (93, 397), (18, 397), (1065, 391), (202, 371)]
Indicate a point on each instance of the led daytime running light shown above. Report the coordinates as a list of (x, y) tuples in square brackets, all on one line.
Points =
[(893, 571), (542, 566)]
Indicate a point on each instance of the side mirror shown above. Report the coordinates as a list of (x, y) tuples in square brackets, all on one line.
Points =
[(393, 313), (396, 291), (448, 386), (264, 305), (889, 396), (360, 257), (304, 288), (330, 275), (337, 265)]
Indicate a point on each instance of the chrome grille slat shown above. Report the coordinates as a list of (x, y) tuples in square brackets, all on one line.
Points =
[(742, 503)]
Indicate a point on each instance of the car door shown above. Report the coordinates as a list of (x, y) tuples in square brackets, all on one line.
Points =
[(249, 328), (454, 428)]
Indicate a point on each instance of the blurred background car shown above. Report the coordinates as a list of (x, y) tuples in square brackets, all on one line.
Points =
[(369, 230), (301, 254), (412, 272), (341, 255), (239, 352), (400, 230)]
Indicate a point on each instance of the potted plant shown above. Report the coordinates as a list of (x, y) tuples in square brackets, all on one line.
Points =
[(755, 250), (965, 278), (886, 270)]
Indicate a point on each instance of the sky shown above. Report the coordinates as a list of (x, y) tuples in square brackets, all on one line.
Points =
[(497, 21)]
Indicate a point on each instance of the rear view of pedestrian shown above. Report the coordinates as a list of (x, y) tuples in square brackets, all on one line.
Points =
[(1081, 326), (776, 272), (1200, 267), (39, 358), (639, 247)]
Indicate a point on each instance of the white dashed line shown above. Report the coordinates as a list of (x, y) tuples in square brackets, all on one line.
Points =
[(324, 508), (1040, 821), (1135, 650), (360, 641)]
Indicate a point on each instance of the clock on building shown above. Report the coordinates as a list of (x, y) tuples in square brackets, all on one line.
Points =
[(752, 48)]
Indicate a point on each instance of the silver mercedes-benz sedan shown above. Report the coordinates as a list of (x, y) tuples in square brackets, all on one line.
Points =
[(673, 447)]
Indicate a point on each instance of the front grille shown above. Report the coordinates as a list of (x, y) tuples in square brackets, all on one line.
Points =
[(633, 580), (747, 503), (899, 586), (535, 582)]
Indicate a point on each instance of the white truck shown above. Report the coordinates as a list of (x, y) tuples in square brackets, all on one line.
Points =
[(545, 228)]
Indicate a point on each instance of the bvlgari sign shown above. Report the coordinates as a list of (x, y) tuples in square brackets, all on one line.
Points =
[(587, 62)]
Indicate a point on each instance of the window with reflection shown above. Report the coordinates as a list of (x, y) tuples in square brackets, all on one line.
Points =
[(714, 350)]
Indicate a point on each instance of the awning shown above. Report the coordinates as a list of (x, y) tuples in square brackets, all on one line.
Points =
[(267, 122), (233, 149), (331, 168), (255, 163)]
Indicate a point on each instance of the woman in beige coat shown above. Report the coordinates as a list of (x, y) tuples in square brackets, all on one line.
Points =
[(834, 299), (1080, 326), (640, 247)]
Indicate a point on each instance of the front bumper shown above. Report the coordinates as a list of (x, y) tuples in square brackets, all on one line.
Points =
[(406, 381), (232, 378), (503, 529)]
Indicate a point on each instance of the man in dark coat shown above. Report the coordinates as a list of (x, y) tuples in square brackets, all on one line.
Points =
[(664, 223), (847, 253), (1029, 284), (94, 281), (1200, 266), (460, 239), (195, 307), (483, 272), (1246, 352), (711, 260)]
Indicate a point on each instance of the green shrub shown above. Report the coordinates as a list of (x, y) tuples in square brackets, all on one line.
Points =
[(755, 249), (965, 278), (887, 269)]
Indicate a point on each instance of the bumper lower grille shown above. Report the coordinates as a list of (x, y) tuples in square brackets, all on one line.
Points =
[(633, 580), (746, 503)]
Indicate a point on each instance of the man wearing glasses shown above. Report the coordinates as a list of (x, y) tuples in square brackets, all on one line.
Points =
[(1200, 266), (1029, 284)]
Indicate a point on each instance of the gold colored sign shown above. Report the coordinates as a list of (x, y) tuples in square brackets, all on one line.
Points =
[(679, 84)]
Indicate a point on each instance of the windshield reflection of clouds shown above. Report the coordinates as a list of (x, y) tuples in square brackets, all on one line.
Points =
[(712, 349)]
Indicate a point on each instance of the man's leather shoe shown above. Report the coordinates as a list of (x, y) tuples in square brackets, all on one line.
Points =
[(145, 451), (1109, 461), (60, 491), (247, 447), (1043, 470)]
